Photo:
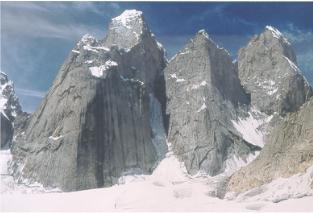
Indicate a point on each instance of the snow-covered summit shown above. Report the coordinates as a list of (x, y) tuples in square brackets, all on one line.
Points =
[(126, 30), (88, 39), (204, 33), (276, 33), (127, 17)]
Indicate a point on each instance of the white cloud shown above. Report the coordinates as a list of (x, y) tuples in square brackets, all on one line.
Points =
[(28, 45)]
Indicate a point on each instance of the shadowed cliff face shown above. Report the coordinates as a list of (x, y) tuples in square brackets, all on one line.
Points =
[(116, 135), (94, 124)]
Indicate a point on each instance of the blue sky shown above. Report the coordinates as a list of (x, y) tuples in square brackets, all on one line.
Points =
[(36, 37)]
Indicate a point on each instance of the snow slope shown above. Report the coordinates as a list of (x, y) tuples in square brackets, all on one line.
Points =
[(250, 127), (169, 188)]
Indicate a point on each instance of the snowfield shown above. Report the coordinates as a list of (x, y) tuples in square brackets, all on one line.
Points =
[(169, 188)]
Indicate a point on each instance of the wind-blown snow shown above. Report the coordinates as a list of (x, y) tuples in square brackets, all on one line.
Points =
[(99, 71)]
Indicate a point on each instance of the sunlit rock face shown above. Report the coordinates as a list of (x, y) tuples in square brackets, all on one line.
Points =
[(268, 70), (204, 97), (288, 151)]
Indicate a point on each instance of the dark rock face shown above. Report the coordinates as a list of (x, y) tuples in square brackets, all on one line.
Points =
[(289, 151), (204, 96), (94, 124), (267, 69), (6, 132), (9, 109)]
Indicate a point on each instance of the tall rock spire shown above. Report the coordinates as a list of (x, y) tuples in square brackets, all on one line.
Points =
[(97, 120), (126, 30), (268, 70), (204, 96)]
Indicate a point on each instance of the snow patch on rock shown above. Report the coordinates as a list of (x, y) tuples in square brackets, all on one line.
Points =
[(269, 86), (203, 107), (76, 51), (132, 80), (56, 138), (296, 186), (235, 163), (100, 71), (127, 17), (197, 86), (177, 79), (250, 127), (9, 186), (277, 34)]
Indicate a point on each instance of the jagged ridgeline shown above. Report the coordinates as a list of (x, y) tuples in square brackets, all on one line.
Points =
[(116, 101), (9, 109), (98, 119)]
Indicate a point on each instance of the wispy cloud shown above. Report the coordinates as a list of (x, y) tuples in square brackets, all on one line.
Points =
[(218, 14), (305, 61), (31, 93), (52, 20), (297, 35), (36, 37)]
